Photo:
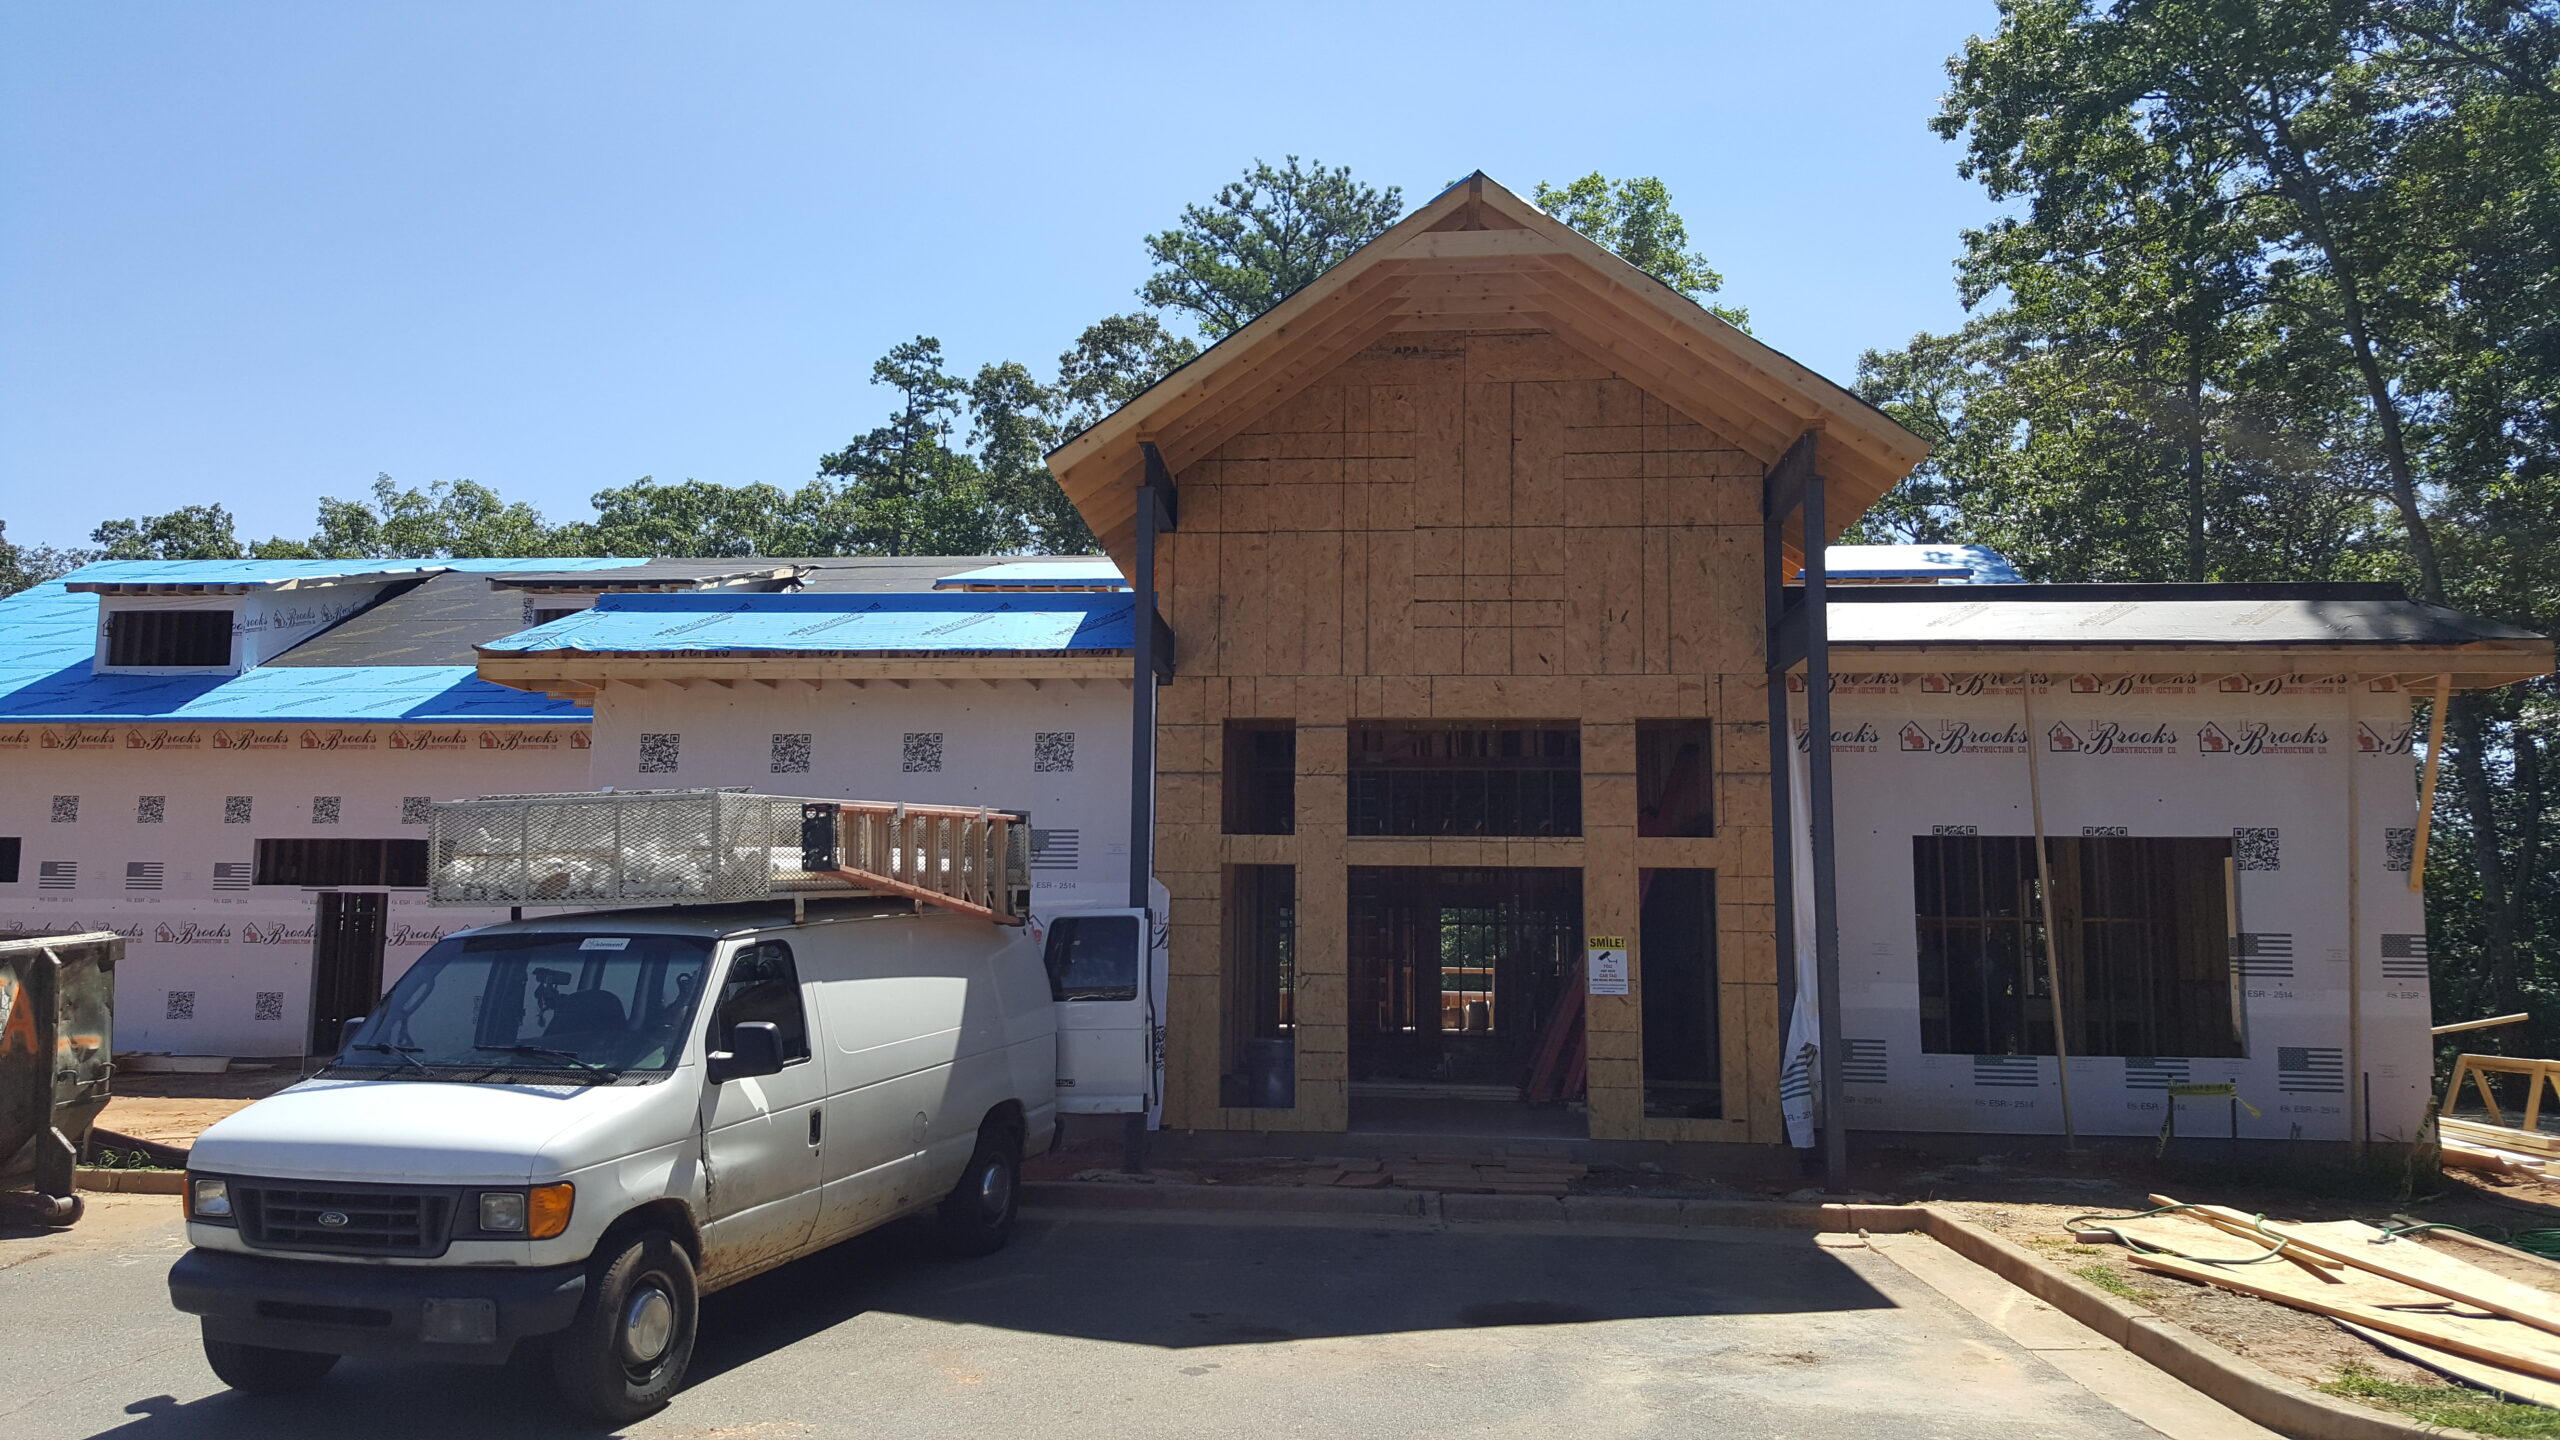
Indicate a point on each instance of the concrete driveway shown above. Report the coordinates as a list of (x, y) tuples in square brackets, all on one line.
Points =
[(1138, 1326)]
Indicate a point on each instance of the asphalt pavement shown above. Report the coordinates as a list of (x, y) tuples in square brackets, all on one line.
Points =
[(1133, 1327)]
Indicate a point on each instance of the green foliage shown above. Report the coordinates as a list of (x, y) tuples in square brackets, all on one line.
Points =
[(2271, 300), (448, 519), (25, 565), (190, 532), (1260, 239), (1111, 363), (2104, 1276), (2438, 1403), (1634, 218)]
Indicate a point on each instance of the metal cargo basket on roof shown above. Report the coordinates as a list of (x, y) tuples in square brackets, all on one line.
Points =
[(693, 847)]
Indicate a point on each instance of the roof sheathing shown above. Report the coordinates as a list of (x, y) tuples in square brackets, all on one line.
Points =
[(1479, 257)]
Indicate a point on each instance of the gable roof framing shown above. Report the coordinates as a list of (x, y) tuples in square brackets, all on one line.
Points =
[(1478, 257)]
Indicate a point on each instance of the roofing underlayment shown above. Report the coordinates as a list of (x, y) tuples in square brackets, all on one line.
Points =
[(1037, 623), (2103, 615)]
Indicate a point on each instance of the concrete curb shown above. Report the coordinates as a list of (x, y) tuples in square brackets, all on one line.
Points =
[(130, 1182), (2242, 1385)]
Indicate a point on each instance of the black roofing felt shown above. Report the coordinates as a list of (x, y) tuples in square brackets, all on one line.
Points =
[(439, 621), (2155, 615), (650, 573)]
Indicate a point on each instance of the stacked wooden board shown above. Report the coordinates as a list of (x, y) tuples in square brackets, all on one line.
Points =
[(2435, 1309), (2498, 1149)]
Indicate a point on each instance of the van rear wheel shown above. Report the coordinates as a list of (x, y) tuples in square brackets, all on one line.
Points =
[(626, 1353), (263, 1369), (976, 1218)]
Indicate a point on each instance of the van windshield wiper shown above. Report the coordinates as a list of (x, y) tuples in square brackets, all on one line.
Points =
[(605, 1072), (408, 1055)]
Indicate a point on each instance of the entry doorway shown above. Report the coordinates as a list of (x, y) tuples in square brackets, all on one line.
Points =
[(346, 963), (1465, 999)]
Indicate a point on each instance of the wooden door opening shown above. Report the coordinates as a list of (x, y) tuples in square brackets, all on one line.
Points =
[(1456, 975), (346, 963)]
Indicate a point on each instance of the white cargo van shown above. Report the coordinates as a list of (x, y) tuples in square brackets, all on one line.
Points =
[(564, 1131)]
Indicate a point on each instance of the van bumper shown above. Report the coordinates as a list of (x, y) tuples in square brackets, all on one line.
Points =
[(471, 1314)]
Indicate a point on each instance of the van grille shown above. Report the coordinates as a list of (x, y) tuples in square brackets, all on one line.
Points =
[(362, 1222)]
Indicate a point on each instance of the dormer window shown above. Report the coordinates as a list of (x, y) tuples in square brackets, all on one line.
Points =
[(545, 614), (199, 639)]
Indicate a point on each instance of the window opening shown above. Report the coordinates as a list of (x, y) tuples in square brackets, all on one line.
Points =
[(391, 864), (1676, 971), (1438, 779), (9, 847), (1259, 1068), (2142, 941), (196, 638), (1675, 785), (1261, 794), (764, 984)]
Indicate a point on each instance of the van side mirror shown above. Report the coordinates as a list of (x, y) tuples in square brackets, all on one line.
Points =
[(755, 1048), (347, 1031)]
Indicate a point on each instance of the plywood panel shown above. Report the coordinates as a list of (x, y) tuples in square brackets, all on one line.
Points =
[(1487, 526)]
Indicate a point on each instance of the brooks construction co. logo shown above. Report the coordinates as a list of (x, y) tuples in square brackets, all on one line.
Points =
[(164, 739), (2111, 737), (340, 738), (1969, 685), (1862, 738), (2257, 737), (255, 934), (2134, 684), (523, 740), (403, 935), (1963, 737), (79, 738), (2400, 741), (2283, 685), (252, 740), (188, 932), (429, 740)]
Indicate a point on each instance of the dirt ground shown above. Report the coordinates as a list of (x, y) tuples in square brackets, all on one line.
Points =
[(175, 1109)]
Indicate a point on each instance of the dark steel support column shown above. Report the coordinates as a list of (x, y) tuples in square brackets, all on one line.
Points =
[(1826, 878), (1782, 848), (1142, 707)]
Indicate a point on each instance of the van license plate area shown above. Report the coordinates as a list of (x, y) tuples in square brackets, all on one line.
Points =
[(459, 1322)]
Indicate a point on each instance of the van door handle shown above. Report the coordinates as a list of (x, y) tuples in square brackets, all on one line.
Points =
[(815, 1115)]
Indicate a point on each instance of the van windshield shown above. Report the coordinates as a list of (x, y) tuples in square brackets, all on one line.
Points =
[(593, 1008)]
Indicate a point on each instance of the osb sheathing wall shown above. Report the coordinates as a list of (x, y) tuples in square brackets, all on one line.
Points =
[(1480, 527)]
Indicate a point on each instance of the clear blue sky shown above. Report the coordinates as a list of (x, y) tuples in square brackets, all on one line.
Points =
[(255, 253)]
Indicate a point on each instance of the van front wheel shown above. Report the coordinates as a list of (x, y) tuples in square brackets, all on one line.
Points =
[(626, 1353), (977, 1216), (263, 1369)]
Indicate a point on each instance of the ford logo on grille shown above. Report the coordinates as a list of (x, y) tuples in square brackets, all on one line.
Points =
[(334, 1219)]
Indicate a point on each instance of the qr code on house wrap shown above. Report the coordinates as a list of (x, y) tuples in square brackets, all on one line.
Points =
[(182, 1005), (658, 753), (1053, 752), (325, 809), (922, 754), (235, 809), (66, 809), (790, 754), (150, 809), (414, 811), (2399, 848), (2253, 847), (270, 1005)]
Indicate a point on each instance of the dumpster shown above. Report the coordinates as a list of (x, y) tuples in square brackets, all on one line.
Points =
[(57, 1012)]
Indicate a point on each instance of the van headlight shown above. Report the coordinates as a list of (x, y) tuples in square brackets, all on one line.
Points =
[(537, 1214), (209, 1199), (502, 1210)]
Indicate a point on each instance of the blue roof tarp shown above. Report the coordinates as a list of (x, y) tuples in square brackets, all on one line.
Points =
[(1032, 624), (48, 641)]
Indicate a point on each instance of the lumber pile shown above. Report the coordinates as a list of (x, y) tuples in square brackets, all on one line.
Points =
[(2440, 1311)]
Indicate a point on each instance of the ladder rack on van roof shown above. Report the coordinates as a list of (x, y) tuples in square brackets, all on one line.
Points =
[(691, 847)]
